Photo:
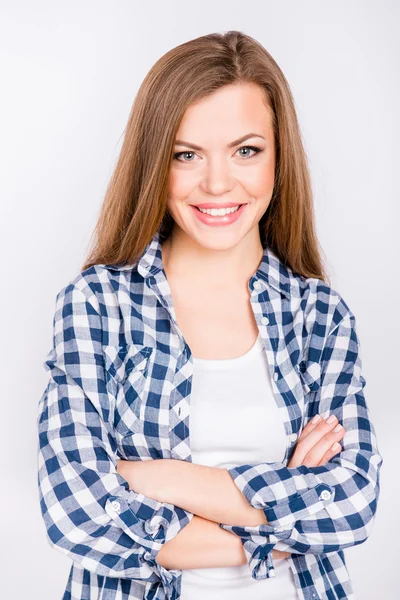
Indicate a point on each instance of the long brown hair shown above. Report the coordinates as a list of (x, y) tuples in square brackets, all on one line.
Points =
[(135, 204)]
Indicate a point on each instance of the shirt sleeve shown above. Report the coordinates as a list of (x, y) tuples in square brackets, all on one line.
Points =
[(326, 508), (89, 511)]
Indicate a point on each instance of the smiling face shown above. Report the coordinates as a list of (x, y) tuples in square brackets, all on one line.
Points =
[(224, 156)]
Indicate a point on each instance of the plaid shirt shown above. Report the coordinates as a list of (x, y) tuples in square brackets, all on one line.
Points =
[(119, 386)]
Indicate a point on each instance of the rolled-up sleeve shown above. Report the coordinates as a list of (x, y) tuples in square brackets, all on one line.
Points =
[(90, 514), (326, 508)]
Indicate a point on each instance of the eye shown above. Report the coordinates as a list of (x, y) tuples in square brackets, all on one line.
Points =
[(180, 153), (255, 149)]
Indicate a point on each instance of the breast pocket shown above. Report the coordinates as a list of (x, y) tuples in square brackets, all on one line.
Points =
[(126, 375)]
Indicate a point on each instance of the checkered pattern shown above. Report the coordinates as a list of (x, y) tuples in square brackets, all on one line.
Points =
[(120, 376)]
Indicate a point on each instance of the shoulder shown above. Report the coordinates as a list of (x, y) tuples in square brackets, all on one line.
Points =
[(99, 285), (309, 300), (321, 303)]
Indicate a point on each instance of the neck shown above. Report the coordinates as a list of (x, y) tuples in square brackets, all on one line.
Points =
[(185, 258)]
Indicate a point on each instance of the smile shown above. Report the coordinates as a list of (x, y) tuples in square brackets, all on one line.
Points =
[(215, 212), (219, 216)]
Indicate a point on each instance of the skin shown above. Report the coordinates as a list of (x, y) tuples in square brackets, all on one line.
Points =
[(188, 485), (198, 254), (219, 174)]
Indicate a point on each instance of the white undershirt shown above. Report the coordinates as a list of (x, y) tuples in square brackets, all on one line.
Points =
[(234, 420)]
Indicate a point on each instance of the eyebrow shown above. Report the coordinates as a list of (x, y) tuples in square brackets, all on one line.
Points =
[(239, 141)]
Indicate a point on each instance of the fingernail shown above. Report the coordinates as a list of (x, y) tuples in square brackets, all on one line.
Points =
[(335, 446), (331, 419), (338, 427), (316, 419)]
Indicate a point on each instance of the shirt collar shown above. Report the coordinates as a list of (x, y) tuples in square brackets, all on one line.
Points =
[(271, 269)]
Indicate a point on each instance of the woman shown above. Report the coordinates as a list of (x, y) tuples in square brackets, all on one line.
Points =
[(180, 451)]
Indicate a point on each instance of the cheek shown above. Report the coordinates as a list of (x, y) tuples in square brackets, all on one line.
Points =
[(259, 181), (179, 190), (181, 183)]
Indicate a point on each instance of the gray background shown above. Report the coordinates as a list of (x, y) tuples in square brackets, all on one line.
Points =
[(69, 73)]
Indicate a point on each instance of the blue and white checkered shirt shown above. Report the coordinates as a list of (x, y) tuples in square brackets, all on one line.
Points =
[(120, 375)]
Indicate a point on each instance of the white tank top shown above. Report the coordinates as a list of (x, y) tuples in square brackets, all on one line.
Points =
[(234, 420)]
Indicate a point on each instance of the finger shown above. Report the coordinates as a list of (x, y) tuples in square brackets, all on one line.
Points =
[(330, 453), (317, 432), (320, 424), (311, 425), (307, 444), (313, 456)]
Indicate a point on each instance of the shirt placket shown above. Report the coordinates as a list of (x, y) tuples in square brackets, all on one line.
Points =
[(179, 398), (258, 542), (285, 385)]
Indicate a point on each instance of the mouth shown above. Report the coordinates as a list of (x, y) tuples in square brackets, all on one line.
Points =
[(204, 208), (216, 219)]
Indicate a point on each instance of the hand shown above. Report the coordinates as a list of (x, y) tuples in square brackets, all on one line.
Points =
[(314, 446), (314, 449)]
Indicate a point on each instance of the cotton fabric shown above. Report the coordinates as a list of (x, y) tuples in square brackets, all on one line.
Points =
[(233, 419), (120, 376)]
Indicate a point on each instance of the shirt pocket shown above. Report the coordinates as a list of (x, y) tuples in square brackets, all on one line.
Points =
[(127, 369)]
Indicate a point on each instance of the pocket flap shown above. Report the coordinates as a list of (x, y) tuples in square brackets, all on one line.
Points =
[(120, 361)]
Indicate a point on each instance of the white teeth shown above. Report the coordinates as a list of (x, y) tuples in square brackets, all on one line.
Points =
[(219, 212)]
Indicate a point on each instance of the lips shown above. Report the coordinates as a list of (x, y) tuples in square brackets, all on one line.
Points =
[(220, 220), (217, 205)]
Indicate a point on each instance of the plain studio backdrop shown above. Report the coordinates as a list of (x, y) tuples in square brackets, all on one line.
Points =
[(69, 74)]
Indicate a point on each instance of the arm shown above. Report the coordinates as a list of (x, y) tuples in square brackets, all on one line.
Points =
[(89, 511), (330, 507), (201, 544), (307, 509), (188, 485)]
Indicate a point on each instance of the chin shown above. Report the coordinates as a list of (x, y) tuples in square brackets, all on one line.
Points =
[(216, 241)]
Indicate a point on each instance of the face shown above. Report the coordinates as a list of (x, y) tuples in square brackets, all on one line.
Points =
[(224, 156)]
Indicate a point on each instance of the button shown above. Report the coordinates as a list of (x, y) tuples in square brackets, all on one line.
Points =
[(264, 320), (293, 437), (116, 506), (149, 557), (148, 527), (276, 376), (325, 495), (257, 285), (271, 572)]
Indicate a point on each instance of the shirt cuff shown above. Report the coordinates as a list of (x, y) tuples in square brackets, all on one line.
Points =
[(150, 524), (285, 495), (258, 542)]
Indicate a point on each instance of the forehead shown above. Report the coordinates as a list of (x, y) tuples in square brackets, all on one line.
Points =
[(226, 114)]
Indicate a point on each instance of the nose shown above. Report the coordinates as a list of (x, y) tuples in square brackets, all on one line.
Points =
[(218, 179)]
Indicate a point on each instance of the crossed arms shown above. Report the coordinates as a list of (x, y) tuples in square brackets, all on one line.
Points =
[(92, 516), (188, 485)]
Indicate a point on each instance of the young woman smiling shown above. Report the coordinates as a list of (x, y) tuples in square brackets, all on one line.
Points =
[(204, 432)]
